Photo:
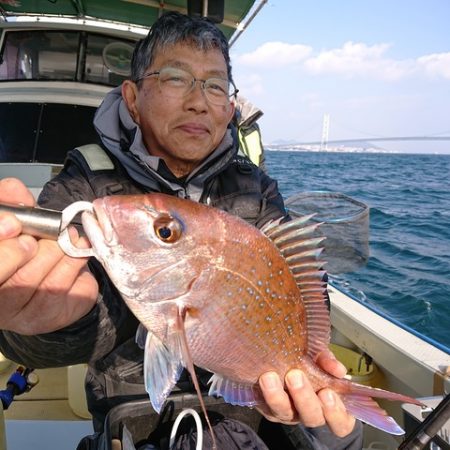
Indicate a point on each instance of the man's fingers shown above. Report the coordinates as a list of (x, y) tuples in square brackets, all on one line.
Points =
[(9, 226), (305, 399), (276, 397), (26, 280), (13, 191), (328, 362), (15, 253), (83, 294), (340, 422)]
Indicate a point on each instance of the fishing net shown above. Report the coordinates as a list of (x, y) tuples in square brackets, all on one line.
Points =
[(345, 224)]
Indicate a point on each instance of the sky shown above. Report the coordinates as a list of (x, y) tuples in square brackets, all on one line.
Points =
[(379, 68)]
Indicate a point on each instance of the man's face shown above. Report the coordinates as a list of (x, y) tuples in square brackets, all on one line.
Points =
[(183, 131)]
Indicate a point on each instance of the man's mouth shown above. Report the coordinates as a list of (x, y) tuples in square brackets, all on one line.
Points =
[(194, 128)]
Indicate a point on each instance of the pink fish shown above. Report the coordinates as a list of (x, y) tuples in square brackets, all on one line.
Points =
[(214, 291)]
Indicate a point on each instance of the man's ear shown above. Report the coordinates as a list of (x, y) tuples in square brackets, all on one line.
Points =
[(129, 94), (232, 109)]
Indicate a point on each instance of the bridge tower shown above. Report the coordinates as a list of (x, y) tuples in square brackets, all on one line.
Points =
[(325, 131)]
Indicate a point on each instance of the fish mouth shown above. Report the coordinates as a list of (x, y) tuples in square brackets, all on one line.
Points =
[(98, 227)]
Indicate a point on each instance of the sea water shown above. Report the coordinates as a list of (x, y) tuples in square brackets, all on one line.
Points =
[(408, 273)]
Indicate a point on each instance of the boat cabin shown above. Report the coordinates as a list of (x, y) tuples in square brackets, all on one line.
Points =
[(57, 62)]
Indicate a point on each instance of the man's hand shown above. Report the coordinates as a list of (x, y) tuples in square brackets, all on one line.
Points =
[(41, 289), (301, 404)]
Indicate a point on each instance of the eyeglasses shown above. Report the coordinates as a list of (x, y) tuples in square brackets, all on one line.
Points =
[(177, 83)]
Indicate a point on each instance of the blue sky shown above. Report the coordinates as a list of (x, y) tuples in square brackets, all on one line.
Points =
[(378, 68)]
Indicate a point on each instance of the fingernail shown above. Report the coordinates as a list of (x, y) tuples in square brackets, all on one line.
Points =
[(295, 379), (328, 398), (343, 368), (270, 381), (8, 226)]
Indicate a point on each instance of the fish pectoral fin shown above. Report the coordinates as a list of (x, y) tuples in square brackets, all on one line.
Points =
[(163, 364), (234, 392), (368, 411)]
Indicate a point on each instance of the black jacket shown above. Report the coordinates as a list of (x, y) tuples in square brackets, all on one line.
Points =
[(105, 337)]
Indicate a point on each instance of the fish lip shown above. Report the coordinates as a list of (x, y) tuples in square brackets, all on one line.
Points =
[(99, 220)]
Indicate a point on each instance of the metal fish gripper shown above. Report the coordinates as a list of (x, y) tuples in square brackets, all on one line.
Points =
[(51, 224)]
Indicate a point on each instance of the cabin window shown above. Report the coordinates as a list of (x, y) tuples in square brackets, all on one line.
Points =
[(39, 55), (43, 132), (64, 56), (107, 60)]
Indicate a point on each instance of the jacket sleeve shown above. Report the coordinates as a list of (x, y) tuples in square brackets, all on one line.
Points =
[(322, 438), (91, 337), (273, 204)]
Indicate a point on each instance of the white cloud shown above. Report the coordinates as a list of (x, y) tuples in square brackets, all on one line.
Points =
[(251, 85), (275, 54), (436, 64), (352, 60), (356, 59)]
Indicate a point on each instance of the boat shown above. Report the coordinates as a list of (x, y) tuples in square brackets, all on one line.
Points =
[(59, 59)]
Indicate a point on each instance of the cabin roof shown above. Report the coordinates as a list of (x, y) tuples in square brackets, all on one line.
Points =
[(141, 13)]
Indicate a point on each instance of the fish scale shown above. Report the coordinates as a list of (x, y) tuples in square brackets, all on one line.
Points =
[(214, 291)]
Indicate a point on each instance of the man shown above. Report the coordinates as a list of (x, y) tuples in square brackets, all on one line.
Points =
[(167, 129)]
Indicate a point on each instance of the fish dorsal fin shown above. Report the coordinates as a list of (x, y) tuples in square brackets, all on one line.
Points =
[(298, 243)]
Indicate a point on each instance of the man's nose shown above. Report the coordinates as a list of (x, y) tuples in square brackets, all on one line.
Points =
[(197, 93)]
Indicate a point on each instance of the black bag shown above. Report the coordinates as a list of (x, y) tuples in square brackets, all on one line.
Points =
[(233, 426)]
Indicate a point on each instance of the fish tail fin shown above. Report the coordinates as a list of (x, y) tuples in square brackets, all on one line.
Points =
[(359, 402), (368, 411)]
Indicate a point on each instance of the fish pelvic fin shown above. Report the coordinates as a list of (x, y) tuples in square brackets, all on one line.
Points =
[(298, 241), (163, 364), (234, 392)]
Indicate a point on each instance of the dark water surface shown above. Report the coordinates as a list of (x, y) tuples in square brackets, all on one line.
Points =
[(408, 273)]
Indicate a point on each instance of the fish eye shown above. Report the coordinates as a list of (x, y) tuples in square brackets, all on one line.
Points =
[(167, 229)]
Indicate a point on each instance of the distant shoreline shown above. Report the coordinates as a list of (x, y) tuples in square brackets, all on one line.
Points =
[(371, 151)]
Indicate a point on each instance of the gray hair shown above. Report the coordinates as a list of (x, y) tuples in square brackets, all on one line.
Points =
[(173, 28)]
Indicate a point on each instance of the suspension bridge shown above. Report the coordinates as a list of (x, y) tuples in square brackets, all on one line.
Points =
[(325, 140)]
